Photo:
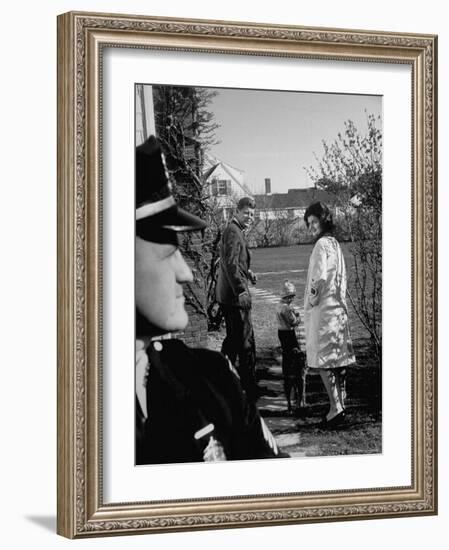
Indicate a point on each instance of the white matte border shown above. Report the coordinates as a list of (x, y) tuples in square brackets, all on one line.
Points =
[(122, 481)]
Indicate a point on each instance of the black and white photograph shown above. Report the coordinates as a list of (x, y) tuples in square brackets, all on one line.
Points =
[(258, 274)]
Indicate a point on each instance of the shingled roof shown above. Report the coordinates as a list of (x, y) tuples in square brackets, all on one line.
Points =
[(294, 198)]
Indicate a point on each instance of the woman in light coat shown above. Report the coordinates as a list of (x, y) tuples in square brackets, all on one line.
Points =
[(328, 342)]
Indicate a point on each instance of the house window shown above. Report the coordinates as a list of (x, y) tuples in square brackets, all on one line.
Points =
[(224, 187)]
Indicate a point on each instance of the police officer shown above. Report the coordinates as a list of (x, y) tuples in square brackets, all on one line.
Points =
[(189, 402)]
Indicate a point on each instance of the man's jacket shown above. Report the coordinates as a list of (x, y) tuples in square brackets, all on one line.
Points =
[(234, 267)]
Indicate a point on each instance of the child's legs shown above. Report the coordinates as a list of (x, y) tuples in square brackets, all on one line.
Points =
[(289, 342)]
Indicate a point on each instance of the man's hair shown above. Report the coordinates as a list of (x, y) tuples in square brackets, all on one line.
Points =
[(322, 212), (246, 202)]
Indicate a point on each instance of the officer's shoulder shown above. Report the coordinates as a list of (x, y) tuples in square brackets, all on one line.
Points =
[(215, 367), (208, 358), (211, 364), (203, 355)]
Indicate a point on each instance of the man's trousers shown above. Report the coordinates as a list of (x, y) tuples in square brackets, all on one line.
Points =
[(239, 344)]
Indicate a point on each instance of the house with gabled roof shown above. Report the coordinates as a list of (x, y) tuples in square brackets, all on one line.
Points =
[(226, 184)]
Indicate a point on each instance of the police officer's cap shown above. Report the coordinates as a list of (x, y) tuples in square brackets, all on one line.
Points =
[(158, 217)]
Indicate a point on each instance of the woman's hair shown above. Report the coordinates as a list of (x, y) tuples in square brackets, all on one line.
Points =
[(322, 212)]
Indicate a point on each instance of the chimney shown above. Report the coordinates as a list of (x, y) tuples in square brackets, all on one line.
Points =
[(267, 186)]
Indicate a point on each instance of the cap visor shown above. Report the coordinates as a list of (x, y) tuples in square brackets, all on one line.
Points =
[(177, 219), (162, 227)]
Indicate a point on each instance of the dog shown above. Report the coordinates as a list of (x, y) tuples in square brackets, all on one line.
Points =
[(294, 372)]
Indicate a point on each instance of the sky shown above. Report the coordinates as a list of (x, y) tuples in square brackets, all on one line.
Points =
[(274, 134)]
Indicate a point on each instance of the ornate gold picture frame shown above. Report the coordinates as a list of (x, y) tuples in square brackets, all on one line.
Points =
[(83, 39)]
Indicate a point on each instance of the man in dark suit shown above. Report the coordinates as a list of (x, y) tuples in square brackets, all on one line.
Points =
[(234, 298), (190, 405)]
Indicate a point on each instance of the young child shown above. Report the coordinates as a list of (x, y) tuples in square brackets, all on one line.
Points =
[(293, 363)]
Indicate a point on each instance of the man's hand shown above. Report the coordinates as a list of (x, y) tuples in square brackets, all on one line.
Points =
[(245, 300), (252, 277)]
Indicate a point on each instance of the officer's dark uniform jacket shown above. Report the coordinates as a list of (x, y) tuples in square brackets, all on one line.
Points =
[(188, 389)]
